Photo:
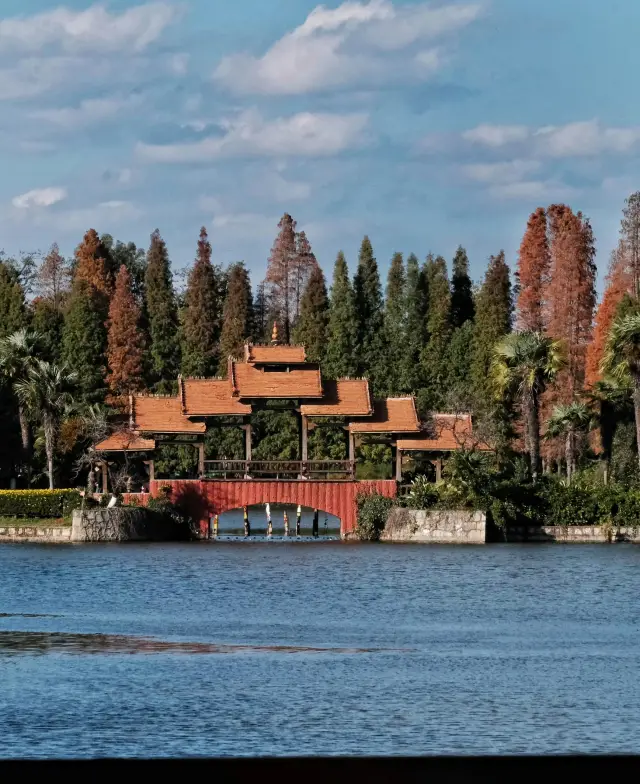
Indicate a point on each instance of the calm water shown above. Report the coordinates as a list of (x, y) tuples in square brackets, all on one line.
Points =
[(288, 648)]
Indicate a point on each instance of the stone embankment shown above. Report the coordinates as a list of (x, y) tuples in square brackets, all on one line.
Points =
[(436, 526), (574, 534), (33, 533)]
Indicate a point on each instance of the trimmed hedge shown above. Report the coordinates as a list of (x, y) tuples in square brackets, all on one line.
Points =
[(38, 503)]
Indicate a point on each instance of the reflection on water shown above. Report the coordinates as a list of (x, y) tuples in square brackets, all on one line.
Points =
[(20, 642)]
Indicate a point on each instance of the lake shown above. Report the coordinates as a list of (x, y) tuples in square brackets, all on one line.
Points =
[(295, 647)]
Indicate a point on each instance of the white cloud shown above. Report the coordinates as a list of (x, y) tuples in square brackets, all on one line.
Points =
[(92, 29), (248, 134), (346, 44), (496, 135), (502, 172), (88, 112), (41, 197), (579, 139), (532, 190), (179, 64)]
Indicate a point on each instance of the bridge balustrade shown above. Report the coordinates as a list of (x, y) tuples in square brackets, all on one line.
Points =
[(286, 470)]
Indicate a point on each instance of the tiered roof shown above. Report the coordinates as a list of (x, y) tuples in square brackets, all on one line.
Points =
[(274, 355), (445, 433), (210, 397), (126, 441), (393, 415), (248, 381), (345, 397), (157, 414)]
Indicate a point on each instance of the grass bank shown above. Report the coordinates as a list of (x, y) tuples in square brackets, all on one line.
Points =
[(36, 522)]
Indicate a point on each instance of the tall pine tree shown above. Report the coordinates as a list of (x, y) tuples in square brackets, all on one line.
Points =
[(200, 328), (83, 340), (368, 296), (534, 267), (341, 358), (236, 315), (13, 314), (281, 274), (311, 330), (462, 305), (434, 360), (416, 305), (395, 316), (494, 313), (162, 314)]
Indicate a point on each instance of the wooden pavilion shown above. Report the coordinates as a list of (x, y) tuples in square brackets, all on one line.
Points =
[(279, 372)]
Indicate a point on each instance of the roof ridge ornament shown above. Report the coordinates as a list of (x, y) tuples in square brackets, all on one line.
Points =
[(274, 334)]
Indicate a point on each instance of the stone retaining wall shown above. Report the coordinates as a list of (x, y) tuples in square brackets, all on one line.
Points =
[(34, 533), (436, 526), (126, 524), (574, 534)]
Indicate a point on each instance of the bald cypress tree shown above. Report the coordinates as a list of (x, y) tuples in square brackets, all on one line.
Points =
[(340, 357), (369, 310), (162, 313), (311, 330), (200, 328), (125, 341), (395, 313), (462, 306), (84, 339), (236, 315)]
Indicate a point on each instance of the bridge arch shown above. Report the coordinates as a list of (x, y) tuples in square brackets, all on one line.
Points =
[(202, 498)]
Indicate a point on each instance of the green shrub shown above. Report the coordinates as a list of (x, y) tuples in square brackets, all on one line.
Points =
[(373, 510), (423, 494), (38, 503)]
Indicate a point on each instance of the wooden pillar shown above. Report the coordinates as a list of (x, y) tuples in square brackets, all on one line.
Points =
[(201, 459), (105, 477), (352, 447), (438, 469), (304, 434), (152, 470), (247, 441), (398, 465)]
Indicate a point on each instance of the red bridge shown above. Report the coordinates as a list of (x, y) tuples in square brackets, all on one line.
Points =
[(203, 498)]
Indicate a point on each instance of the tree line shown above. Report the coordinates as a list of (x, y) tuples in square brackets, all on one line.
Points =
[(526, 357)]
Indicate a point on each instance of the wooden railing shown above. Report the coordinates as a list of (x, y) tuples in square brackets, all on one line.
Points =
[(279, 469)]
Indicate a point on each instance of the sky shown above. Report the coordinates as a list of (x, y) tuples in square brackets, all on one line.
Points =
[(423, 124)]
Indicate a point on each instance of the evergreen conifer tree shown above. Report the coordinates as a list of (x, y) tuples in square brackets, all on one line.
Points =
[(311, 330), (200, 329), (125, 341), (48, 322), (434, 359), (84, 339), (395, 317), (368, 297), (13, 314), (236, 317), (340, 358), (416, 306), (462, 305), (161, 313)]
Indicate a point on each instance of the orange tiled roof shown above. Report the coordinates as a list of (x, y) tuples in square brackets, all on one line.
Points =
[(445, 433), (210, 397), (278, 355), (248, 381), (125, 441), (346, 397), (393, 415), (162, 415)]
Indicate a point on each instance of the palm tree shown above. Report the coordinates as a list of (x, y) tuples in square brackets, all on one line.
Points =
[(45, 395), (610, 401), (524, 363), (17, 355), (568, 420), (621, 360)]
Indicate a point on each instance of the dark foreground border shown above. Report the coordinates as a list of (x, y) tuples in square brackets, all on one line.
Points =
[(334, 769)]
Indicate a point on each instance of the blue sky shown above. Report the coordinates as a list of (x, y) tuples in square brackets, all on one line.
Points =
[(425, 125)]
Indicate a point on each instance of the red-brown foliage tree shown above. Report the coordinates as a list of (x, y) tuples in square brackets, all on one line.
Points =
[(125, 341), (619, 282), (53, 280), (534, 266), (92, 264)]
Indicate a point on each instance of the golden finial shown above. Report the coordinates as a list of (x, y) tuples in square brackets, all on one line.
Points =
[(274, 334)]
